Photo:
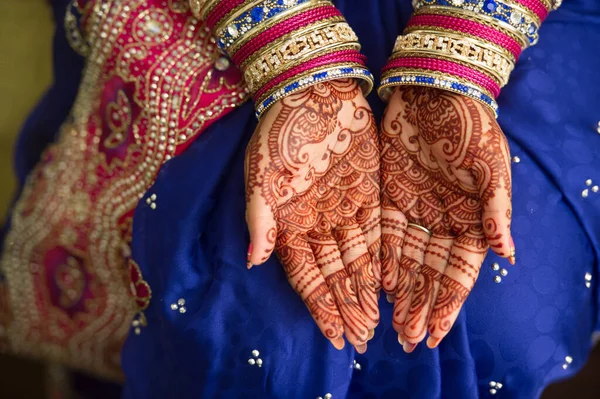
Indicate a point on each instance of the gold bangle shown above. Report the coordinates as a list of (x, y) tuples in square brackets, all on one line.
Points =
[(485, 58), (290, 13), (257, 78), (453, 41), (482, 19), (324, 32), (298, 46)]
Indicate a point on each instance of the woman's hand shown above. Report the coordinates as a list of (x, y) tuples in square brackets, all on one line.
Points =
[(312, 192), (445, 167)]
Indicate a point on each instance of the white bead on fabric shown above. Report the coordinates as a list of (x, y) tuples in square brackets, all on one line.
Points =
[(588, 280), (495, 387), (568, 361), (255, 360), (180, 305), (356, 366), (591, 188), (151, 201), (502, 272)]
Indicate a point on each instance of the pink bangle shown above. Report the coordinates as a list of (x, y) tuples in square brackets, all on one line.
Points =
[(344, 56), (536, 6), (283, 28), (449, 67), (469, 27), (221, 9)]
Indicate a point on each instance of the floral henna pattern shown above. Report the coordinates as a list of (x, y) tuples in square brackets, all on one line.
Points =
[(445, 166), (312, 190)]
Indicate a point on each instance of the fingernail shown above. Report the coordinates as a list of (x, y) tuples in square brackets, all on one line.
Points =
[(248, 263), (512, 259), (401, 339), (408, 347), (433, 342), (338, 343), (390, 298), (371, 335), (361, 348)]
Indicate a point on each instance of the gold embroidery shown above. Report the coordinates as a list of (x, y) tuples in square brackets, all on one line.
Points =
[(70, 292)]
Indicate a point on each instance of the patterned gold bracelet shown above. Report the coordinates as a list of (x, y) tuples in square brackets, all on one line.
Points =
[(467, 45), (302, 45), (489, 59)]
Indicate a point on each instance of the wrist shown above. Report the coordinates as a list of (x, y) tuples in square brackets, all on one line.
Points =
[(468, 47), (283, 46)]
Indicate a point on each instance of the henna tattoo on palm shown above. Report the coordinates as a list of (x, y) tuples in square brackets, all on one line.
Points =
[(312, 190), (445, 166)]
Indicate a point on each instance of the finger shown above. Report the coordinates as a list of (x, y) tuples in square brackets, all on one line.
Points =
[(263, 231), (494, 184), (413, 255), (298, 261), (465, 261), (369, 220), (329, 261), (393, 229), (426, 288), (260, 204), (357, 260)]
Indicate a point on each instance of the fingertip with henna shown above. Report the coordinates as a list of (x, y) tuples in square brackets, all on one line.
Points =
[(361, 348), (401, 339), (433, 342), (338, 343), (512, 258), (390, 298), (371, 335), (248, 263), (409, 347)]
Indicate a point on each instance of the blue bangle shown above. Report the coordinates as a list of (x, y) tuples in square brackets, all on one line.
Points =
[(500, 10), (312, 79)]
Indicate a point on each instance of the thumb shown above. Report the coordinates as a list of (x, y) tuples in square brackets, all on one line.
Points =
[(263, 230), (496, 218)]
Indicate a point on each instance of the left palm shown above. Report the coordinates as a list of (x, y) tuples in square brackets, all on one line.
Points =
[(445, 167)]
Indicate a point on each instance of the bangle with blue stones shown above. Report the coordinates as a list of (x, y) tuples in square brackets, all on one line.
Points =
[(257, 14), (516, 16), (313, 78), (441, 81)]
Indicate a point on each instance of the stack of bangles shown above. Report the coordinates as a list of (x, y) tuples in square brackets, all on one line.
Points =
[(284, 46), (464, 46)]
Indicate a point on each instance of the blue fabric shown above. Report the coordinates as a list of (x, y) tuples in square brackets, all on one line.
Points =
[(517, 332)]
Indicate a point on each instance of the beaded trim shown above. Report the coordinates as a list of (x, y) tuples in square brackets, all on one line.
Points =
[(434, 80), (522, 20), (321, 76)]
